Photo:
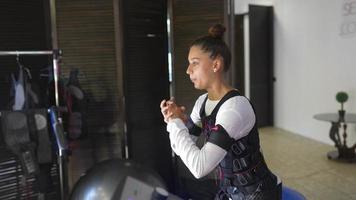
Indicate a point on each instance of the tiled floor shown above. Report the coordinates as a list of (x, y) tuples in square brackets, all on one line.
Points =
[(302, 164)]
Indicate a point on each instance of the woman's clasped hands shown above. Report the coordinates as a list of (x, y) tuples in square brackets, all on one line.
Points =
[(170, 110)]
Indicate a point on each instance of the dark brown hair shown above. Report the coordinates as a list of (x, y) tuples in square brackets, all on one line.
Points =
[(214, 44)]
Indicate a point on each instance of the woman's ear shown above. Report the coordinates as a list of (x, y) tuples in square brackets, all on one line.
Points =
[(217, 64)]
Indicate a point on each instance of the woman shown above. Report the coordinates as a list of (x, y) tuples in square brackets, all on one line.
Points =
[(228, 121)]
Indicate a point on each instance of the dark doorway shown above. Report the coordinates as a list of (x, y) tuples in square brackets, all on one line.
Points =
[(261, 63), (146, 83), (239, 54)]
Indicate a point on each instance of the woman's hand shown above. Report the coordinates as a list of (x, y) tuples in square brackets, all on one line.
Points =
[(170, 110), (165, 110)]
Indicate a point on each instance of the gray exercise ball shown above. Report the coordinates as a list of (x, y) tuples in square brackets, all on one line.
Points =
[(108, 180)]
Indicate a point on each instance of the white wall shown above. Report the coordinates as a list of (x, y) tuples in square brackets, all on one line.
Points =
[(313, 61)]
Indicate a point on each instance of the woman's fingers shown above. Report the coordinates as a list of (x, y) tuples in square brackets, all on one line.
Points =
[(168, 116), (164, 110), (163, 103), (170, 109), (171, 101), (167, 110)]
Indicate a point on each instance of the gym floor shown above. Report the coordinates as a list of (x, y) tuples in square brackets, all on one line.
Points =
[(300, 162)]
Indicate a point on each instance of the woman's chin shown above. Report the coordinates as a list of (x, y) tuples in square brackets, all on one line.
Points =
[(198, 87)]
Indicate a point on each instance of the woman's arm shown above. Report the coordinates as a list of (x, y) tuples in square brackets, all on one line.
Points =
[(200, 162), (234, 120)]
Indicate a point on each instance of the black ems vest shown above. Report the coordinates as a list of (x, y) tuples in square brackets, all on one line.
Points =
[(243, 166)]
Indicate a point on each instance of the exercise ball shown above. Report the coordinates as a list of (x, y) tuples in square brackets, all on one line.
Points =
[(291, 194), (115, 179)]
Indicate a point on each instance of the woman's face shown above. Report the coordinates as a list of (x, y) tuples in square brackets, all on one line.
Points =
[(200, 68)]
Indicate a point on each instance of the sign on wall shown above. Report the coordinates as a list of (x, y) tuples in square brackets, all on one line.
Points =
[(348, 24)]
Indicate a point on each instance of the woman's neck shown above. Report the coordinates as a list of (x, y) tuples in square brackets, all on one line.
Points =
[(217, 91)]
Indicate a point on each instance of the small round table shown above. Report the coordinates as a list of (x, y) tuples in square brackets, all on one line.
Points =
[(343, 152)]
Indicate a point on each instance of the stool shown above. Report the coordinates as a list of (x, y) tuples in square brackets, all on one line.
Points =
[(291, 194)]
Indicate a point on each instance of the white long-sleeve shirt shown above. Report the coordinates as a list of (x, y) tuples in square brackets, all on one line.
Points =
[(235, 115)]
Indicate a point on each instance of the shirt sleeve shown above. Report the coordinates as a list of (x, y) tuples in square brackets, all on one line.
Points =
[(237, 117), (200, 162), (195, 114)]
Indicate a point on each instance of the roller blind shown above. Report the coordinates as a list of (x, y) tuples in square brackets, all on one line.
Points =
[(86, 35), (191, 19)]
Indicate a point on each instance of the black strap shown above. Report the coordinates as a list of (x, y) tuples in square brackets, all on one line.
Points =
[(228, 95), (220, 137), (252, 175), (193, 128)]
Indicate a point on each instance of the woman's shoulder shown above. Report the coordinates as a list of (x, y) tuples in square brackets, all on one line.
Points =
[(238, 105), (236, 101), (237, 116)]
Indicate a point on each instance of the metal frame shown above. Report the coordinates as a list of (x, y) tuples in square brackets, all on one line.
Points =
[(55, 54)]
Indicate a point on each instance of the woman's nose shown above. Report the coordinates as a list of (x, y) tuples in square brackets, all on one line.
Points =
[(188, 70)]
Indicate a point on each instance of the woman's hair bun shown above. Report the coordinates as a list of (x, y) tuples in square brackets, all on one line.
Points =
[(216, 31)]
